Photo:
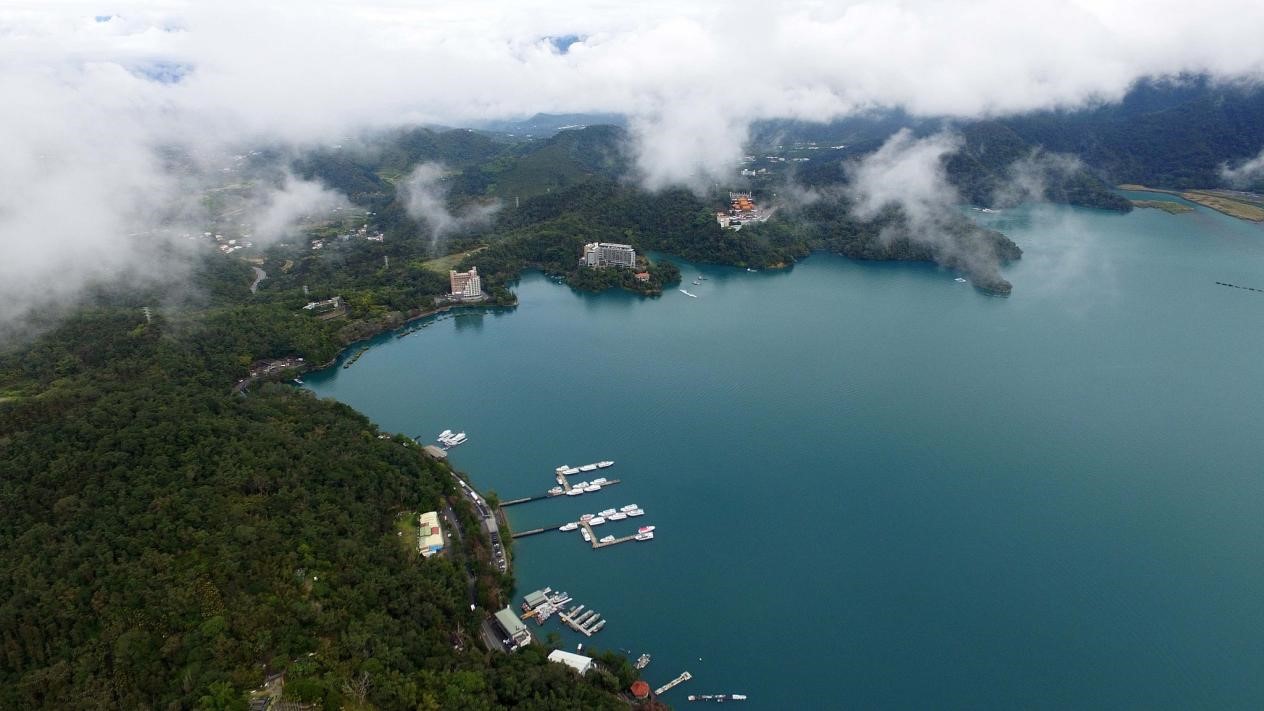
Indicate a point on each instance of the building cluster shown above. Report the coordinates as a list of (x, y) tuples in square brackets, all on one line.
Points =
[(324, 307), (466, 286), (742, 209), (429, 534), (517, 634), (608, 254)]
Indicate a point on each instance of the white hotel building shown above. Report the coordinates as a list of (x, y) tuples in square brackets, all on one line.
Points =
[(608, 254), (466, 285)]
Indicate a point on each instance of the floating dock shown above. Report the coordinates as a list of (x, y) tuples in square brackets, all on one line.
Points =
[(587, 623), (598, 544), (548, 495), (673, 683)]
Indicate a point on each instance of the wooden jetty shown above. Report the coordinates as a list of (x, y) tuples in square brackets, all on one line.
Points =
[(598, 544), (673, 683), (586, 623), (546, 495)]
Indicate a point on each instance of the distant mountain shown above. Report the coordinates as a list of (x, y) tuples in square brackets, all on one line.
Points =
[(1174, 135), (544, 125)]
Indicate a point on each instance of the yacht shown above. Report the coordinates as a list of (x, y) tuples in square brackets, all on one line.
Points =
[(586, 535), (603, 465), (959, 280), (600, 480), (637, 512), (596, 521), (587, 517), (645, 529), (592, 487), (569, 527), (575, 492), (645, 536), (445, 434), (607, 512), (588, 467), (629, 507), (606, 539), (617, 516)]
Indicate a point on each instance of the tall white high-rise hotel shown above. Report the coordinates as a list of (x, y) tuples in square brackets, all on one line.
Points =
[(466, 285)]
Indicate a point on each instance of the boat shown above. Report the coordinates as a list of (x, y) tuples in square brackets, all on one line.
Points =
[(592, 487), (298, 381), (696, 282), (458, 438), (580, 485), (575, 492), (642, 661), (606, 539), (588, 467), (445, 434), (617, 516), (637, 512), (596, 521), (603, 465), (587, 536), (607, 512), (645, 536), (569, 527), (717, 697), (645, 529), (686, 293), (600, 480), (587, 517), (959, 280), (557, 490), (597, 627), (751, 270), (629, 507)]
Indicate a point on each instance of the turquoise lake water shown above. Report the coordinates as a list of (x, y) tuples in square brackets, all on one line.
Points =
[(875, 487)]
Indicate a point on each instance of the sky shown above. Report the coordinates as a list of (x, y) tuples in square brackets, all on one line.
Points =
[(92, 89)]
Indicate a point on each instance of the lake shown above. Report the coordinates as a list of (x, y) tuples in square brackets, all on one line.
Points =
[(875, 487)]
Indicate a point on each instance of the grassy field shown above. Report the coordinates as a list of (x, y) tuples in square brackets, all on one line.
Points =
[(448, 262), (406, 524), (1234, 208), (1169, 206), (1244, 206)]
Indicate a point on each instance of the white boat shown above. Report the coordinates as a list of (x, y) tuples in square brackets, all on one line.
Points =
[(629, 507), (556, 490), (617, 516), (588, 467), (686, 293), (697, 282), (580, 485), (607, 512), (645, 536), (606, 539), (637, 512), (603, 465), (569, 527), (458, 438), (587, 517), (597, 521), (592, 487), (600, 480), (959, 280), (575, 492), (645, 529), (587, 537), (445, 434), (751, 270)]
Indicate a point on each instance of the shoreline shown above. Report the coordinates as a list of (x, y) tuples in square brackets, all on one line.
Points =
[(1217, 199)]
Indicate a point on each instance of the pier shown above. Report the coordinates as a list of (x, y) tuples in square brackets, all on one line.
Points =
[(586, 623), (550, 495), (598, 544), (673, 683)]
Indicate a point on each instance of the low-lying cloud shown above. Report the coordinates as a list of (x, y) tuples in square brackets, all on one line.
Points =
[(426, 200), (1246, 173), (93, 101)]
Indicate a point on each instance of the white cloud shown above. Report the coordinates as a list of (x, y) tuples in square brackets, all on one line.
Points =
[(426, 200), (1245, 173)]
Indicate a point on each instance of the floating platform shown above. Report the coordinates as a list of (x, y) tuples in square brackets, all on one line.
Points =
[(673, 683)]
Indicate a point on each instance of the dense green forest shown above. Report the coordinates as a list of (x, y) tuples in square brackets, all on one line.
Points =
[(167, 544)]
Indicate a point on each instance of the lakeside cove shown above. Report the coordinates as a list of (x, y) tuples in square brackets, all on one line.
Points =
[(969, 461)]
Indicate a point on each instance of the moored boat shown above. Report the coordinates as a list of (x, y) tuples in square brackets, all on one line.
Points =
[(606, 539), (645, 529), (587, 517), (575, 492), (617, 516), (607, 512), (569, 527), (587, 536), (642, 661), (645, 536), (592, 487), (637, 512), (629, 507), (603, 465), (596, 521)]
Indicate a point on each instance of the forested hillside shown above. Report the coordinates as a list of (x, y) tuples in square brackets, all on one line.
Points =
[(167, 544)]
